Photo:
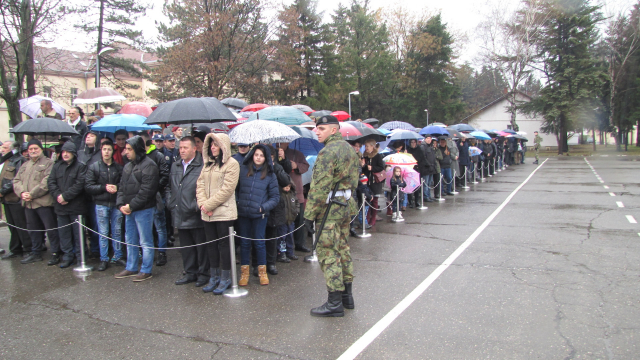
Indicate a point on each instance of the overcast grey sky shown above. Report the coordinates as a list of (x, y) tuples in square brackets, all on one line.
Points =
[(462, 16)]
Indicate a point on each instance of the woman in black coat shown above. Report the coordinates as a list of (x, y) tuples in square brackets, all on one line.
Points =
[(372, 164)]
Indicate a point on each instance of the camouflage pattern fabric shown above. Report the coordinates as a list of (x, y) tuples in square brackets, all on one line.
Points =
[(336, 163), (537, 140)]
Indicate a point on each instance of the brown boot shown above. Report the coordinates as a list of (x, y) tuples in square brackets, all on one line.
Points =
[(244, 275), (262, 273)]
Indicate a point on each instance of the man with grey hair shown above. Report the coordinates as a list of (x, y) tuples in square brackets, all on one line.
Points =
[(46, 110)]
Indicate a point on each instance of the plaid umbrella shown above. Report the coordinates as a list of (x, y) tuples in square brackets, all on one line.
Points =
[(392, 125)]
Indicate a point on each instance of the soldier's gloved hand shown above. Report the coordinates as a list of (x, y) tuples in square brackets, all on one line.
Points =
[(309, 225)]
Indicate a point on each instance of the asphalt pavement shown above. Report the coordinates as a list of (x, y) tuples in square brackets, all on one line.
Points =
[(553, 275)]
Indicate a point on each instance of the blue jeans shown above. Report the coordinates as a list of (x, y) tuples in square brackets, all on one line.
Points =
[(366, 210), (253, 229), (109, 218), (428, 179), (446, 178), (139, 231), (403, 200), (160, 221), (285, 241)]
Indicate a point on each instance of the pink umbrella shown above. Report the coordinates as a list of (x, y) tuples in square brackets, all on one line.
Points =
[(410, 176), (98, 95), (341, 115), (138, 108), (255, 107)]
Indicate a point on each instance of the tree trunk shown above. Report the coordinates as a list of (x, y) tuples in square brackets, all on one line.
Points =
[(15, 116), (28, 38), (638, 134), (593, 134)]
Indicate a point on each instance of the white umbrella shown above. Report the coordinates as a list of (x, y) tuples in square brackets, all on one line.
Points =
[(262, 131), (31, 106), (98, 95), (521, 133)]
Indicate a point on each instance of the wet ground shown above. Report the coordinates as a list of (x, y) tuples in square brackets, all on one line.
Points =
[(554, 276)]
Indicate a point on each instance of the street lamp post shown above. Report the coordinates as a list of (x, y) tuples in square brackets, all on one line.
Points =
[(352, 93), (105, 49), (427, 110)]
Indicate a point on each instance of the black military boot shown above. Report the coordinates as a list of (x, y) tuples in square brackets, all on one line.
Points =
[(332, 308), (347, 297)]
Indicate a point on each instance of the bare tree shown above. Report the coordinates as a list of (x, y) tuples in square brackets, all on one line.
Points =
[(508, 45), (23, 23)]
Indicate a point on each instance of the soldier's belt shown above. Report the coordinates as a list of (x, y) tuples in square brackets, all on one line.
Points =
[(344, 193)]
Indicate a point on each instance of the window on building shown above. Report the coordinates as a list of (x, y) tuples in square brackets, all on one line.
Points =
[(46, 91), (74, 94)]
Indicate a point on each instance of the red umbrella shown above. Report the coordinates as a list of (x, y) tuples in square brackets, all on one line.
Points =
[(349, 131), (232, 124), (137, 107), (255, 107), (341, 115)]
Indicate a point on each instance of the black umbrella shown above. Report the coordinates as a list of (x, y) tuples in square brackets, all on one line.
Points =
[(234, 102), (454, 133), (321, 113), (189, 111), (372, 121), (367, 133), (212, 127), (44, 126)]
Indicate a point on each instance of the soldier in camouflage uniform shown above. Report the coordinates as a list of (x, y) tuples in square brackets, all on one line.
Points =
[(537, 141), (338, 164)]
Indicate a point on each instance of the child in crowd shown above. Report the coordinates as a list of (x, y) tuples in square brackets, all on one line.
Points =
[(363, 189), (397, 181), (284, 216)]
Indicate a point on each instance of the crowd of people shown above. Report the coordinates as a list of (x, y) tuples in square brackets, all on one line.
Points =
[(137, 190)]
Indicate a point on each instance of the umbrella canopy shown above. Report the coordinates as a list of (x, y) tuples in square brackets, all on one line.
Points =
[(218, 127), (439, 124), (255, 107), (234, 103), (454, 133), (521, 133), (309, 124), (474, 151), (521, 138), (509, 131), (44, 126), (480, 135), (341, 115), (372, 121), (349, 132), (392, 125), (400, 159), (98, 95), (137, 107), (31, 106), (232, 124), (304, 108), (433, 130), (308, 143), (320, 113), (410, 176), (129, 122), (404, 135), (263, 131), (190, 110), (367, 132), (463, 127), (384, 131), (283, 114), (306, 177)]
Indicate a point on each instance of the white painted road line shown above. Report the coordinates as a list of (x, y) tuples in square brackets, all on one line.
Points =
[(620, 204), (631, 219), (612, 194), (354, 350)]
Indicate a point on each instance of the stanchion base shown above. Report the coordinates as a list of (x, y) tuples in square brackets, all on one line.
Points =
[(397, 220), (440, 199), (311, 258), (365, 235), (83, 270), (235, 292), (421, 207), (455, 192), (465, 187)]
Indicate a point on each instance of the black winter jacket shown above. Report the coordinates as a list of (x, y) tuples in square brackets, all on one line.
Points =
[(430, 157), (445, 163), (6, 187), (418, 154), (139, 183), (99, 175), (377, 165), (68, 180), (286, 211), (256, 197), (163, 170), (463, 154), (89, 156), (182, 194)]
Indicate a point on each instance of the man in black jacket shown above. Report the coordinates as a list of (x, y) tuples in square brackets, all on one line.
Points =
[(101, 183), (171, 155), (137, 201), (186, 214), (66, 185), (159, 217), (430, 168), (11, 161), (89, 153), (421, 168)]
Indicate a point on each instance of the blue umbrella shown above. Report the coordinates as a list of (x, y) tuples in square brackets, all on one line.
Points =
[(433, 130), (404, 135), (308, 144), (509, 131), (463, 127), (392, 125), (286, 115), (306, 177), (384, 131), (480, 135), (129, 122)]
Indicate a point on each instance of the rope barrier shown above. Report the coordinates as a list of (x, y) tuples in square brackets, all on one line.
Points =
[(384, 208), (19, 228), (275, 238)]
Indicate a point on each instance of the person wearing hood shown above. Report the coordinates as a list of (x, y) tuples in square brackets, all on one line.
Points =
[(137, 201), (66, 185), (30, 184), (88, 155), (159, 218), (216, 201), (101, 183), (10, 163), (257, 194)]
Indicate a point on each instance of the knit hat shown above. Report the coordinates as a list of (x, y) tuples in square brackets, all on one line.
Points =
[(35, 141), (363, 178)]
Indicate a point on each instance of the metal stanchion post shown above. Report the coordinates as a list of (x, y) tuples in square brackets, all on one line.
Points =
[(440, 198), (82, 270), (475, 174), (422, 207), (499, 167), (453, 180), (399, 217), (466, 174), (489, 169), (313, 257), (482, 178), (234, 291), (364, 220)]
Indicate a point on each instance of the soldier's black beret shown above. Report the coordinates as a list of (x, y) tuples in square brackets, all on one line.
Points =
[(326, 120)]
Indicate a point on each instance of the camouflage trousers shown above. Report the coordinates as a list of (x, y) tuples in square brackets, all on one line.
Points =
[(537, 149), (334, 254)]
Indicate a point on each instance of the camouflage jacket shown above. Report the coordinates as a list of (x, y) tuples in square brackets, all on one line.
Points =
[(537, 140), (336, 163)]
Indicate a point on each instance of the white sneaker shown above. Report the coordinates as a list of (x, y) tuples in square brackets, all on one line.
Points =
[(400, 215), (393, 217)]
